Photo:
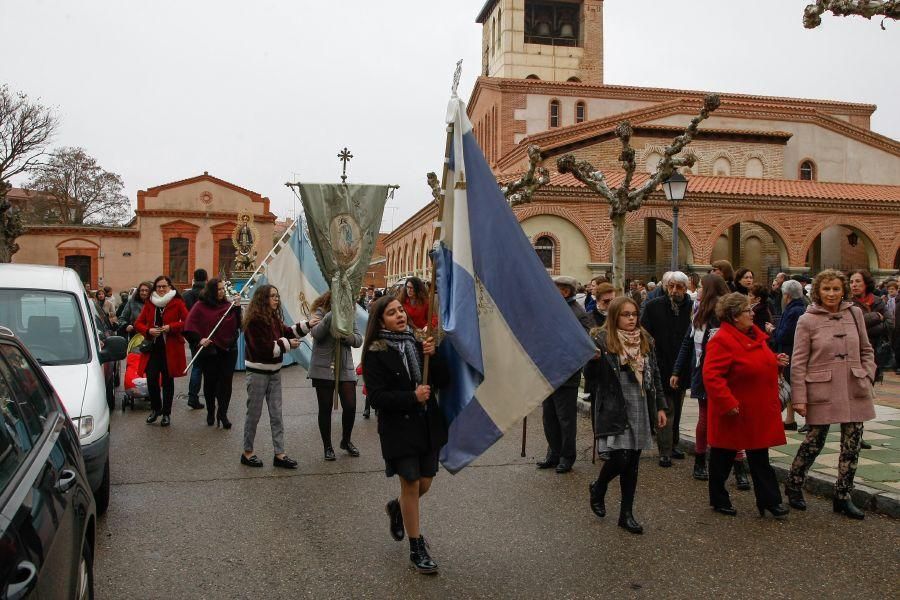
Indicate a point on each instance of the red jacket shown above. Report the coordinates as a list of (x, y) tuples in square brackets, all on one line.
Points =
[(742, 372), (173, 315)]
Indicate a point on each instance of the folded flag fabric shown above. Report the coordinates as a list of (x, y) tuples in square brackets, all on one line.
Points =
[(510, 337)]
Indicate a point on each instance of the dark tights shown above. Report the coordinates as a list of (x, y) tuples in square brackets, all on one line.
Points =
[(325, 395)]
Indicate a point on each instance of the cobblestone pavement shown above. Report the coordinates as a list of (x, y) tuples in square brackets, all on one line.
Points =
[(188, 521)]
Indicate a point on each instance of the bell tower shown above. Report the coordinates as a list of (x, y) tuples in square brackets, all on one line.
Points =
[(551, 40)]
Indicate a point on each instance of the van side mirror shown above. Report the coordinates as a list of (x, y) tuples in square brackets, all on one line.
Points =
[(114, 349)]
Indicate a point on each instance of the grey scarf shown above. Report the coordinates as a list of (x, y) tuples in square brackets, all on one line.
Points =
[(405, 344)]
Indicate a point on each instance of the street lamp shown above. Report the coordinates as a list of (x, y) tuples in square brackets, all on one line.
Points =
[(675, 188)]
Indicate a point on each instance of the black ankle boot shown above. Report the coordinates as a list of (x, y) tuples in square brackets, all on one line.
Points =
[(628, 483), (847, 507), (740, 476), (700, 472), (795, 498), (153, 416), (418, 556), (597, 491)]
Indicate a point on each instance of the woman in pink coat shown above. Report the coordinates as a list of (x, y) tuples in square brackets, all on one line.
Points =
[(831, 382), (740, 375)]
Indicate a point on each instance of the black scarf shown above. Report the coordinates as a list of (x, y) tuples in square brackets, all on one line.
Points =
[(405, 343)]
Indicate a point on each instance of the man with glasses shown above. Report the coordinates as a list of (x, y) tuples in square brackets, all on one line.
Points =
[(560, 410)]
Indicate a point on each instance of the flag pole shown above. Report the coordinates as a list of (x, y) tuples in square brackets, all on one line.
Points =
[(438, 194)]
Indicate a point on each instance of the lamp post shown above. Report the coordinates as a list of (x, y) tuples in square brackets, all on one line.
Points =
[(675, 188)]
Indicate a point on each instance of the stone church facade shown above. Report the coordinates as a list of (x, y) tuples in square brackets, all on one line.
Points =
[(786, 184)]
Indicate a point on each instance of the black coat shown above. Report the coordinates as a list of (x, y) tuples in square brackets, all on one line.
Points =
[(684, 364), (404, 426), (587, 321), (668, 330), (610, 411)]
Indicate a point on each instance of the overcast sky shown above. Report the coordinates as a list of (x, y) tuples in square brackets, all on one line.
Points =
[(262, 92)]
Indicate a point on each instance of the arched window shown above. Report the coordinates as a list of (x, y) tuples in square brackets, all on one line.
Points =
[(808, 170), (580, 112), (722, 167), (554, 113), (178, 259), (754, 168), (545, 248), (534, 77), (499, 29), (573, 79), (493, 34)]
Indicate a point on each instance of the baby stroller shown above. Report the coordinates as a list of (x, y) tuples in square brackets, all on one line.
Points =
[(135, 373)]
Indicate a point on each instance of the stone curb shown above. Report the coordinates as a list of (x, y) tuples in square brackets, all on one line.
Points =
[(820, 484)]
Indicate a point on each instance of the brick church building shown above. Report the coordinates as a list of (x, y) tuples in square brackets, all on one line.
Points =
[(780, 184)]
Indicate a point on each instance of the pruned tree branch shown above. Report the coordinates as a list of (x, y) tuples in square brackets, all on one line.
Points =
[(889, 9), (623, 199), (522, 190)]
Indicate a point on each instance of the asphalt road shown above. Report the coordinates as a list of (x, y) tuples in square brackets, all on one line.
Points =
[(187, 520)]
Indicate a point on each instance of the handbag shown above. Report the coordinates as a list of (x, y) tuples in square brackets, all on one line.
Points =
[(784, 391), (146, 346)]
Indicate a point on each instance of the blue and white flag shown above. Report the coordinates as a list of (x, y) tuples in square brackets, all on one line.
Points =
[(293, 269), (511, 339)]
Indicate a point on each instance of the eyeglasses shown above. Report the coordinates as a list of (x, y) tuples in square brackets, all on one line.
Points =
[(628, 315), (162, 286)]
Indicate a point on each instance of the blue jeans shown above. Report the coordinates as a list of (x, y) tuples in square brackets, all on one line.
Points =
[(195, 382)]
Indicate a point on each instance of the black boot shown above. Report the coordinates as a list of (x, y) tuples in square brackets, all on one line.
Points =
[(740, 476), (628, 483), (418, 556), (611, 467), (222, 415), (154, 415), (395, 518), (795, 498), (847, 507), (700, 472)]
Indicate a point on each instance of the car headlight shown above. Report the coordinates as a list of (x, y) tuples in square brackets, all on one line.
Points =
[(84, 425)]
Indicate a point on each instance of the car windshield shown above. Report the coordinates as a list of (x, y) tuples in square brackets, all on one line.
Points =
[(48, 322)]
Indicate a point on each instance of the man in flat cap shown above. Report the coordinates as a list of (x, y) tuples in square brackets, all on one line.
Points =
[(561, 408)]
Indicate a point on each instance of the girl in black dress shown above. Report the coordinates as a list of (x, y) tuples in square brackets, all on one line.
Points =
[(411, 425)]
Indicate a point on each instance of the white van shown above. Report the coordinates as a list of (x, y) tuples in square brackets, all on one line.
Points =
[(47, 308)]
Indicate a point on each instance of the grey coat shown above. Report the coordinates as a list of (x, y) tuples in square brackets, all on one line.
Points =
[(321, 365)]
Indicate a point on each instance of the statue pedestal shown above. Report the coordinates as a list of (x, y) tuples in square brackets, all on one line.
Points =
[(239, 279)]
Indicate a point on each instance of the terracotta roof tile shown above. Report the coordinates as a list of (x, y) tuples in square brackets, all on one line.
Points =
[(744, 186)]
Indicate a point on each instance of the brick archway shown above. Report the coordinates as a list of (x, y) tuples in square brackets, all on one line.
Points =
[(81, 247), (596, 245), (860, 228), (685, 230), (782, 238)]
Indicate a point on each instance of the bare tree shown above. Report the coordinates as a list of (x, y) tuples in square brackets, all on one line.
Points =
[(73, 189), (812, 15), (623, 199), (522, 190), (25, 129)]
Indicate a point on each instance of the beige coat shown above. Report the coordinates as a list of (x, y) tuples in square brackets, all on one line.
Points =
[(833, 366)]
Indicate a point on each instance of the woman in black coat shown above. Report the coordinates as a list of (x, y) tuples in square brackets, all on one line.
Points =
[(411, 425)]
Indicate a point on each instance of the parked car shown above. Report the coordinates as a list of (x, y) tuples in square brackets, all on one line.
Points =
[(47, 510), (48, 310)]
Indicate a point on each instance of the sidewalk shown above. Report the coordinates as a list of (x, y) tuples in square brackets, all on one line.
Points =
[(877, 482)]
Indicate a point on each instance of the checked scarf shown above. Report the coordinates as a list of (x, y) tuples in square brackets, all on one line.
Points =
[(405, 343)]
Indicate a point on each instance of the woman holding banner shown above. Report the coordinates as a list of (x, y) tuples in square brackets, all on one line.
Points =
[(321, 371), (411, 425), (219, 347)]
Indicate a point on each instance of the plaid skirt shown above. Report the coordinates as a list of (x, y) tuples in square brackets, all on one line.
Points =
[(637, 435)]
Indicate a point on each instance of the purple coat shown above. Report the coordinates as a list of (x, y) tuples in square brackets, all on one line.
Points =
[(833, 366)]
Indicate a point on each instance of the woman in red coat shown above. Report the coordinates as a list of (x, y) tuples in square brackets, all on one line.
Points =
[(162, 320), (741, 379)]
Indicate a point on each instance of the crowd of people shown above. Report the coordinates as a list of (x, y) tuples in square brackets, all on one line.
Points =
[(749, 353), (739, 346)]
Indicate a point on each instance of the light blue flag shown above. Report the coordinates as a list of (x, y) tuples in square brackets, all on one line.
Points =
[(511, 339), (294, 271)]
